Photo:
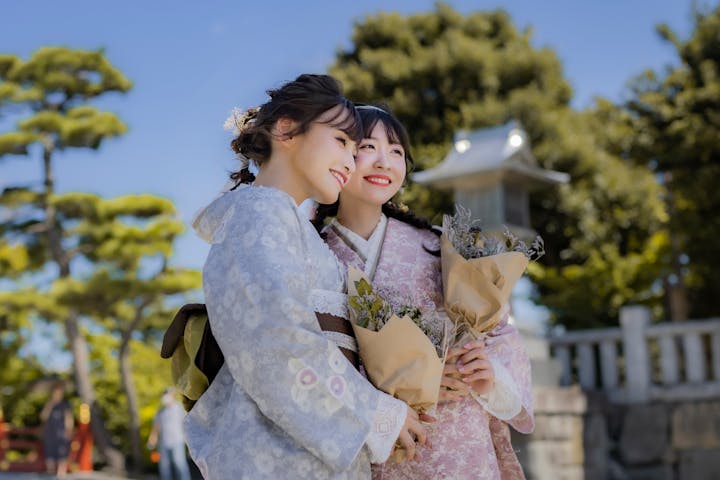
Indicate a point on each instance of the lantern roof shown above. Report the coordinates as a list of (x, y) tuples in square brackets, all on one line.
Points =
[(487, 156)]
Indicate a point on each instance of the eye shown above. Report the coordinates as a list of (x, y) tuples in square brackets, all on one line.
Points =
[(343, 141), (398, 151), (367, 146)]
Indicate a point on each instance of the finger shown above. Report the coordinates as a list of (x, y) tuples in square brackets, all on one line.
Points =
[(453, 353), (447, 396), (419, 431), (473, 344), (472, 355), (424, 417), (450, 368), (481, 375), (475, 365), (408, 444), (453, 383), (412, 413)]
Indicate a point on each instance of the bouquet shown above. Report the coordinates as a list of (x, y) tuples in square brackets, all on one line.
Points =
[(401, 347), (479, 272)]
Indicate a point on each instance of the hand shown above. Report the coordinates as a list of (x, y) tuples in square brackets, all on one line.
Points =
[(452, 388), (411, 431), (475, 367)]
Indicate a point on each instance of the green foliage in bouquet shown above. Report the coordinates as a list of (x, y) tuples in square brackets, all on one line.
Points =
[(369, 310), (372, 310)]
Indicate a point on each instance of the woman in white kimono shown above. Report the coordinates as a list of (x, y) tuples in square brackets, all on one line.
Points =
[(400, 254), (286, 402)]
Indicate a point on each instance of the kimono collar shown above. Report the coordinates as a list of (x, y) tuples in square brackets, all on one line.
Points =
[(368, 250)]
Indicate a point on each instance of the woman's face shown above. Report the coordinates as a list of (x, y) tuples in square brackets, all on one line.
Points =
[(323, 159), (379, 170)]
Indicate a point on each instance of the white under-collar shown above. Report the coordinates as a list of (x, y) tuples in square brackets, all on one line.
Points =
[(368, 250)]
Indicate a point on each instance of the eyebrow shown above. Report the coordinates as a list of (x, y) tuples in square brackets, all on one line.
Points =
[(391, 143), (340, 130)]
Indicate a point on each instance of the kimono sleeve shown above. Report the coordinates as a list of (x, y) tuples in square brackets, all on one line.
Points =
[(257, 281), (508, 354)]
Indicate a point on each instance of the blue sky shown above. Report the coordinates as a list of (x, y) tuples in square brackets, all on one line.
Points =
[(191, 64)]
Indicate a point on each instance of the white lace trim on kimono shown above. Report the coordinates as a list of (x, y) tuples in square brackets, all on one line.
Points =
[(334, 303), (342, 340), (503, 400), (328, 301), (387, 426)]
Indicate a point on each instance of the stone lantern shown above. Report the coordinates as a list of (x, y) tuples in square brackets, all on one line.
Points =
[(492, 172)]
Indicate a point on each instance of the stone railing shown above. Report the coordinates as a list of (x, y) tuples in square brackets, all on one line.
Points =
[(640, 362)]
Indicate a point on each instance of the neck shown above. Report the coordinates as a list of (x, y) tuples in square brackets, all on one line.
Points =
[(274, 173), (361, 218)]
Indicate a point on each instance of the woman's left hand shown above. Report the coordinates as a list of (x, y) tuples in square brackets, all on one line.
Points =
[(475, 367)]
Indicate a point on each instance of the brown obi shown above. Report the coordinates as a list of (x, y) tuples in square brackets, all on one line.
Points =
[(209, 357), (331, 323)]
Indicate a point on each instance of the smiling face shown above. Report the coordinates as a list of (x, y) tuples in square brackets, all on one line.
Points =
[(380, 170), (322, 158)]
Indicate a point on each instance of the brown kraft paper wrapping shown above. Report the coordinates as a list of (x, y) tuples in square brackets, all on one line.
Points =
[(475, 290), (399, 359)]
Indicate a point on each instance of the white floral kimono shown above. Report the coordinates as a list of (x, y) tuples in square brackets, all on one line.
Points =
[(286, 403)]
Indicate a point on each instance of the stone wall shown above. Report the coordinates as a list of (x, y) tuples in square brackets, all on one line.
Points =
[(667, 440), (580, 435), (570, 439)]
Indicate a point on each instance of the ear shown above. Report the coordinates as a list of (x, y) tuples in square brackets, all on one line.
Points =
[(283, 127)]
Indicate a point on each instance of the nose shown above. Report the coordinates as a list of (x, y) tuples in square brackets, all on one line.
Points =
[(382, 160), (349, 164)]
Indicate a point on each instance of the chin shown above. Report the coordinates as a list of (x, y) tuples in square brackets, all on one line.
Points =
[(379, 200), (327, 199)]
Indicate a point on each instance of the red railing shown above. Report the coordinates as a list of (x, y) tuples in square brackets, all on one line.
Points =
[(21, 447)]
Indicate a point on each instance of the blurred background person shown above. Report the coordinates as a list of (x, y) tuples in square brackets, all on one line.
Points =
[(168, 438), (58, 421)]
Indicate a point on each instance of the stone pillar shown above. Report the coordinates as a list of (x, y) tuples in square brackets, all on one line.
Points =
[(634, 321)]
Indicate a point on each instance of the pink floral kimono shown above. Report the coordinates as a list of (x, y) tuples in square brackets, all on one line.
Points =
[(471, 438)]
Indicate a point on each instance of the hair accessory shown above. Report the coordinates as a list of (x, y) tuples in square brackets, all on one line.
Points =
[(239, 120), (371, 107)]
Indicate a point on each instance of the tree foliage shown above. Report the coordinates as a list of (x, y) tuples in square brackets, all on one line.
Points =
[(99, 267), (442, 71), (671, 124)]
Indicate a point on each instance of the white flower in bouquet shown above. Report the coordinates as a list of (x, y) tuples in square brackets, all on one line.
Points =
[(467, 237)]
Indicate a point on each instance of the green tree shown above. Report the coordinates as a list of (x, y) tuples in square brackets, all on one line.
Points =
[(149, 372), (129, 240), (17, 371), (443, 71), (50, 92), (674, 118), (121, 290)]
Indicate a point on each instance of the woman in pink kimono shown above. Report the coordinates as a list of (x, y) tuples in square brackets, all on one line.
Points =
[(400, 254)]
